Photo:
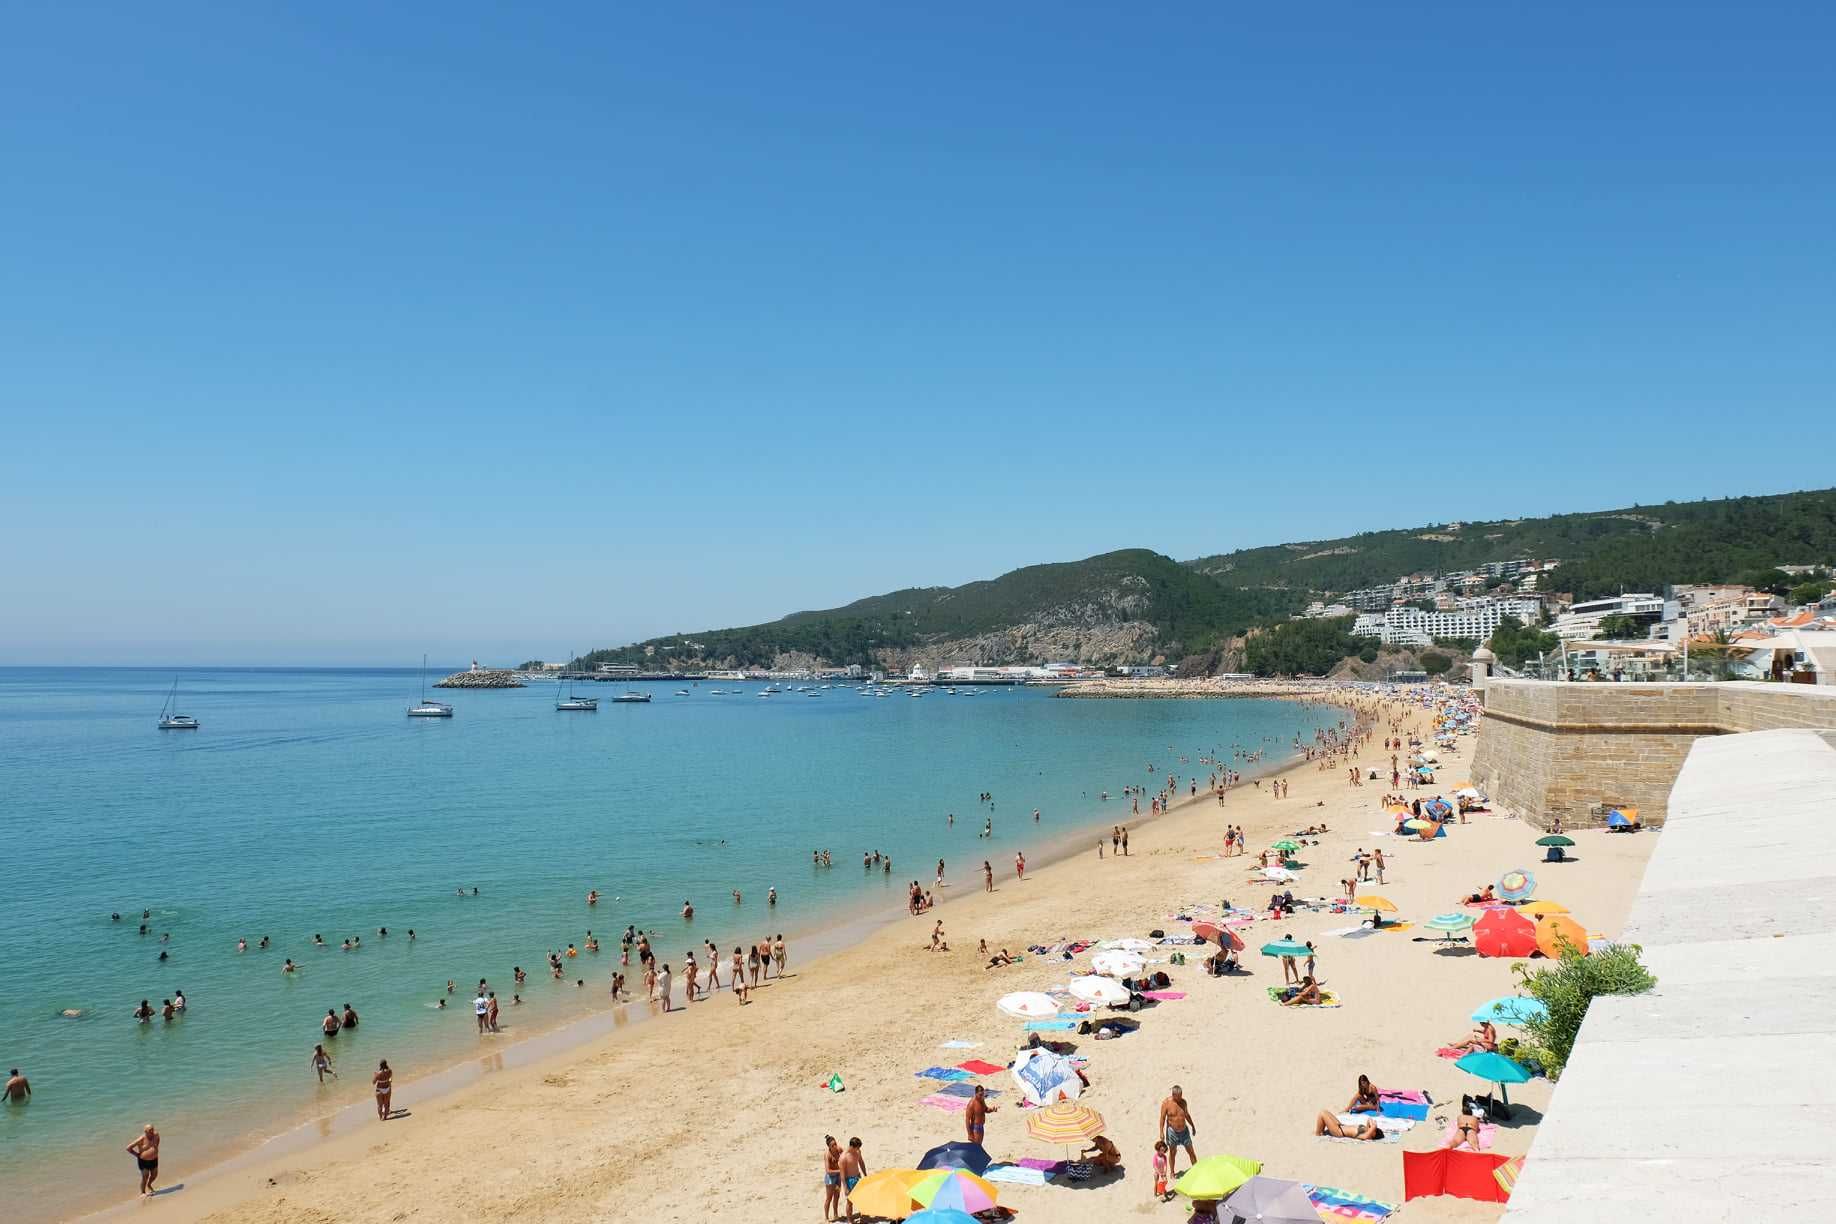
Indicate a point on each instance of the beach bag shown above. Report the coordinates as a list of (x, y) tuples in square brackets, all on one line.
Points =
[(1157, 933)]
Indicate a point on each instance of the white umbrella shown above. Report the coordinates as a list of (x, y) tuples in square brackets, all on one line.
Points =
[(1278, 875), (1098, 990), (1126, 945), (1468, 792), (1043, 1077), (1117, 964), (1028, 1005)]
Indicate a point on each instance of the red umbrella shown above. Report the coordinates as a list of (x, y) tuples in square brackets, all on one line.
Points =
[(1504, 932)]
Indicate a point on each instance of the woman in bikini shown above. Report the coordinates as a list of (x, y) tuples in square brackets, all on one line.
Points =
[(1328, 1124), (1307, 994), (1366, 1099), (1466, 1133), (384, 1079)]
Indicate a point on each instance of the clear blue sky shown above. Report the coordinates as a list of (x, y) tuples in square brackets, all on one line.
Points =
[(336, 333)]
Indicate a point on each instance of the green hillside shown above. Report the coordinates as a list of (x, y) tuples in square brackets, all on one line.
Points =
[(1635, 548), (1188, 610)]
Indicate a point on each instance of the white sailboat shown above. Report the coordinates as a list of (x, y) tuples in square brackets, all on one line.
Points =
[(587, 705), (428, 708), (169, 717)]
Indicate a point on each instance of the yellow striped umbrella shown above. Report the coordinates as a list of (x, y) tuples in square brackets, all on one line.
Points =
[(1065, 1122), (1375, 902)]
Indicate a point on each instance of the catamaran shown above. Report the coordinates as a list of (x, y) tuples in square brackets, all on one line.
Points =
[(428, 708), (169, 717)]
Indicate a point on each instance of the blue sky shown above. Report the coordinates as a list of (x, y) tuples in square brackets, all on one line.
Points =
[(335, 335)]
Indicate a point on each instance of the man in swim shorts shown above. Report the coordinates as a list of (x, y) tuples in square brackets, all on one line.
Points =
[(975, 1115), (145, 1151), (853, 1168), (1177, 1128)]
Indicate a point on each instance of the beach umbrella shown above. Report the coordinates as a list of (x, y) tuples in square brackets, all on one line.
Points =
[(1207, 930), (1285, 947), (1043, 1076), (1418, 825), (1504, 932), (1064, 1122), (1516, 884), (1619, 818), (1511, 1009), (1449, 925), (943, 1215), (1285, 845), (1095, 989), (1117, 964), (1126, 945), (1467, 792), (1231, 940), (1536, 909), (971, 1156), (886, 1193), (1555, 839), (1216, 1177), (1372, 901), (1269, 1200), (954, 1189), (1558, 931), (1028, 1005), (1494, 1067)]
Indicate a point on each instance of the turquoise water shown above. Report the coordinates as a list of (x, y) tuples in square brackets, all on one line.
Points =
[(309, 803)]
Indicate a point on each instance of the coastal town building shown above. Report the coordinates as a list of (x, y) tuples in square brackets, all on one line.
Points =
[(1582, 620), (1469, 618)]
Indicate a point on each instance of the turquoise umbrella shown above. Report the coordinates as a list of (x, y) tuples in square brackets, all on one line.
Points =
[(1511, 1009), (1285, 947), (1450, 925), (1496, 1068)]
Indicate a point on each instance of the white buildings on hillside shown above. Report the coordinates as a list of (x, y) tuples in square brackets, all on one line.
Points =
[(1582, 620), (1470, 618)]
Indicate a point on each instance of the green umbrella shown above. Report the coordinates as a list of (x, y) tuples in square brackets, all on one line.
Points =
[(1215, 1177), (1555, 839), (1286, 846)]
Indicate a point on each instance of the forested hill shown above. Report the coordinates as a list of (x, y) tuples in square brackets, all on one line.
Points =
[(1108, 608), (1636, 548), (1136, 605)]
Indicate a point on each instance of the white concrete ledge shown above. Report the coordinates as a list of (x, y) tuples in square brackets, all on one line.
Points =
[(1714, 1097)]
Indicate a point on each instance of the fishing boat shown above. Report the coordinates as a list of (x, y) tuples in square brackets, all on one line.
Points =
[(630, 697), (427, 707), (586, 705), (169, 717)]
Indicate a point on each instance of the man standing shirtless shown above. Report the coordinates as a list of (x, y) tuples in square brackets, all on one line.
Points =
[(975, 1117), (18, 1089), (1177, 1128), (853, 1168), (145, 1151)]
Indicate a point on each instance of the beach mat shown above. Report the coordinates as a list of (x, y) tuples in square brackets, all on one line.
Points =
[(949, 1104), (1164, 996), (976, 1066), (960, 1045), (948, 1075), (1487, 1133), (1050, 1026), (1415, 1111), (1015, 1175), (966, 1091), (1332, 1202)]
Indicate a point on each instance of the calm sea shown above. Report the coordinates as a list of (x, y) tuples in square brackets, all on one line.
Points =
[(308, 803)]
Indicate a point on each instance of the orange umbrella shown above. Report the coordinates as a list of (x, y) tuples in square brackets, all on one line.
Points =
[(1556, 931)]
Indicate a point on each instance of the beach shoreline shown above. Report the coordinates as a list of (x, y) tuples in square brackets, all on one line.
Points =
[(300, 1133)]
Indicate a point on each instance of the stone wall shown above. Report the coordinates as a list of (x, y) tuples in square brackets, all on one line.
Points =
[(1573, 750)]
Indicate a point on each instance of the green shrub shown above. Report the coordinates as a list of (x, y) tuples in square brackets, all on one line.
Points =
[(1566, 987)]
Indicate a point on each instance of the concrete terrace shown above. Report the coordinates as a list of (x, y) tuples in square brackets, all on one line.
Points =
[(1714, 1097)]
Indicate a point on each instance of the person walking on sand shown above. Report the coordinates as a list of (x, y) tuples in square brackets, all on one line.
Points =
[(690, 972), (975, 1116), (831, 1178), (739, 974), (1124, 841), (777, 951), (145, 1151), (853, 1168), (1377, 862), (321, 1063), (988, 872), (663, 987), (1019, 865), (491, 1012), (1177, 1128), (481, 1010), (384, 1082)]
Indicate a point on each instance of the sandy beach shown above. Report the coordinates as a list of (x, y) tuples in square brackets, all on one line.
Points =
[(719, 1110)]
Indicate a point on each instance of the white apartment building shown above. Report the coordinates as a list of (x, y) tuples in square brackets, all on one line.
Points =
[(1582, 620), (1414, 627)]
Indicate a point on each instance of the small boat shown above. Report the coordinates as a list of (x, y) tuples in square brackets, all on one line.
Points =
[(682, 692), (630, 697), (586, 705), (428, 708), (169, 717)]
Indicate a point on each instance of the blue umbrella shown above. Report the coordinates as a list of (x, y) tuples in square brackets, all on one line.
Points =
[(1285, 947), (942, 1215), (1511, 1009), (1494, 1067), (1616, 819), (971, 1156)]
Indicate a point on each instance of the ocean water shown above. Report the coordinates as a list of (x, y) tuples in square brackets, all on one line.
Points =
[(308, 803)]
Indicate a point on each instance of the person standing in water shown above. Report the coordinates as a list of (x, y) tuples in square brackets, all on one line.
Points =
[(145, 1151), (321, 1063)]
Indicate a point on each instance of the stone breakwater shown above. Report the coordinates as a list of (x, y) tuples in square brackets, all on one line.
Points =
[(492, 678), (1206, 688)]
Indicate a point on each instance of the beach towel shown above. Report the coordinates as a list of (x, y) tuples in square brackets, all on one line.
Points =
[(948, 1075), (960, 1045), (1328, 998), (1014, 1174), (1163, 996), (1049, 1026), (1399, 1125), (976, 1066), (1345, 1204), (1047, 1167), (966, 1091), (1487, 1132), (1409, 1096), (1449, 1053), (948, 1104), (1413, 1110)]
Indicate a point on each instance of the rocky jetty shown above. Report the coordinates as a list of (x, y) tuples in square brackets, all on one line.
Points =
[(488, 677)]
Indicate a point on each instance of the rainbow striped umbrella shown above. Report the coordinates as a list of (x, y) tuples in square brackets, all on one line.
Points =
[(955, 1188)]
